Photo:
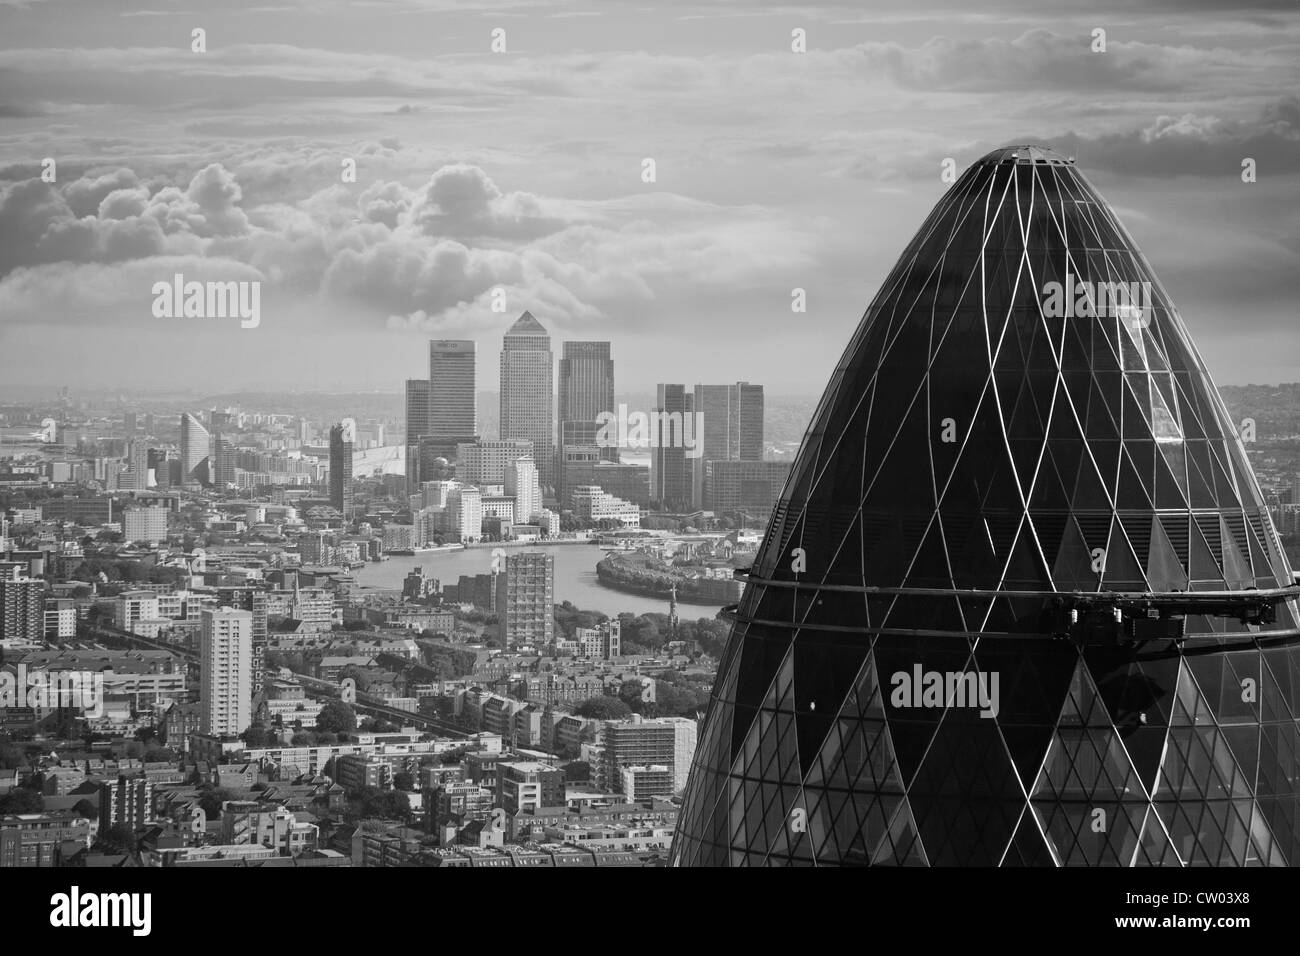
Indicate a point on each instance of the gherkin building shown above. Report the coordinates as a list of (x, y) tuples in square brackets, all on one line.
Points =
[(1020, 602)]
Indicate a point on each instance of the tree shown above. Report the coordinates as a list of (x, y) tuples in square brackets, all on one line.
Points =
[(211, 799), (11, 757), (86, 808), (22, 800), (384, 804), (122, 835), (404, 780), (337, 717), (257, 735), (603, 708)]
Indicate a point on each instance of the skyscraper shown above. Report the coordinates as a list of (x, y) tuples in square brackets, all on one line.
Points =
[(226, 666), (194, 451), (417, 426), (527, 391), (223, 461), (671, 470), (452, 409), (586, 390), (136, 476), (161, 468), (341, 440), (1021, 602), (732, 419)]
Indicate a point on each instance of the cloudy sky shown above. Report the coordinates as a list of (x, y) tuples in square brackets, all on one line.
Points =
[(522, 171)]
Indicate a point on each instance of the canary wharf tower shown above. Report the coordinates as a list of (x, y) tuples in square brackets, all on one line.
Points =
[(1020, 603)]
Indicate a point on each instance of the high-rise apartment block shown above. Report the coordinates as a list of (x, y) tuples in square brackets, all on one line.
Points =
[(145, 524), (522, 485), (526, 598), (342, 436), (226, 665), (22, 609)]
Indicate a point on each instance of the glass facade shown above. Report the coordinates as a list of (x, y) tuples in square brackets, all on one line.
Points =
[(1002, 614)]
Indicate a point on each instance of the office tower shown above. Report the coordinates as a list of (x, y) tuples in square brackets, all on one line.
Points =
[(417, 426), (160, 468), (145, 524), (586, 390), (223, 461), (671, 474), (582, 467), (990, 477), (484, 462), (525, 599), (22, 607), (194, 451), (522, 485), (452, 409), (527, 392), (341, 437), (641, 742), (128, 423), (226, 665), (731, 419), (136, 476), (747, 487), (586, 387)]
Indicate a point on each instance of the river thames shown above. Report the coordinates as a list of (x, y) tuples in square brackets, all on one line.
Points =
[(575, 578)]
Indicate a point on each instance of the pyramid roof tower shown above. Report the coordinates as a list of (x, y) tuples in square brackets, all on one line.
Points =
[(1021, 479), (526, 325)]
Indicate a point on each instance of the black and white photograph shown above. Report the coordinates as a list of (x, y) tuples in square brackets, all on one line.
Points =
[(643, 438)]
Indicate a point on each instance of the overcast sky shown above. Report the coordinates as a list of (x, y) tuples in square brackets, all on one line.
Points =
[(522, 171)]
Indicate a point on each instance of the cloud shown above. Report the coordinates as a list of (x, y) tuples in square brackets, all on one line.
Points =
[(387, 255), (1193, 144), (462, 201)]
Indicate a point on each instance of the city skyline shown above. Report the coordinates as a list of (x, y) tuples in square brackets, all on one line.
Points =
[(721, 433)]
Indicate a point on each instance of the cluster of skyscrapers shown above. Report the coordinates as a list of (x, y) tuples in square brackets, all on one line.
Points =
[(564, 426)]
